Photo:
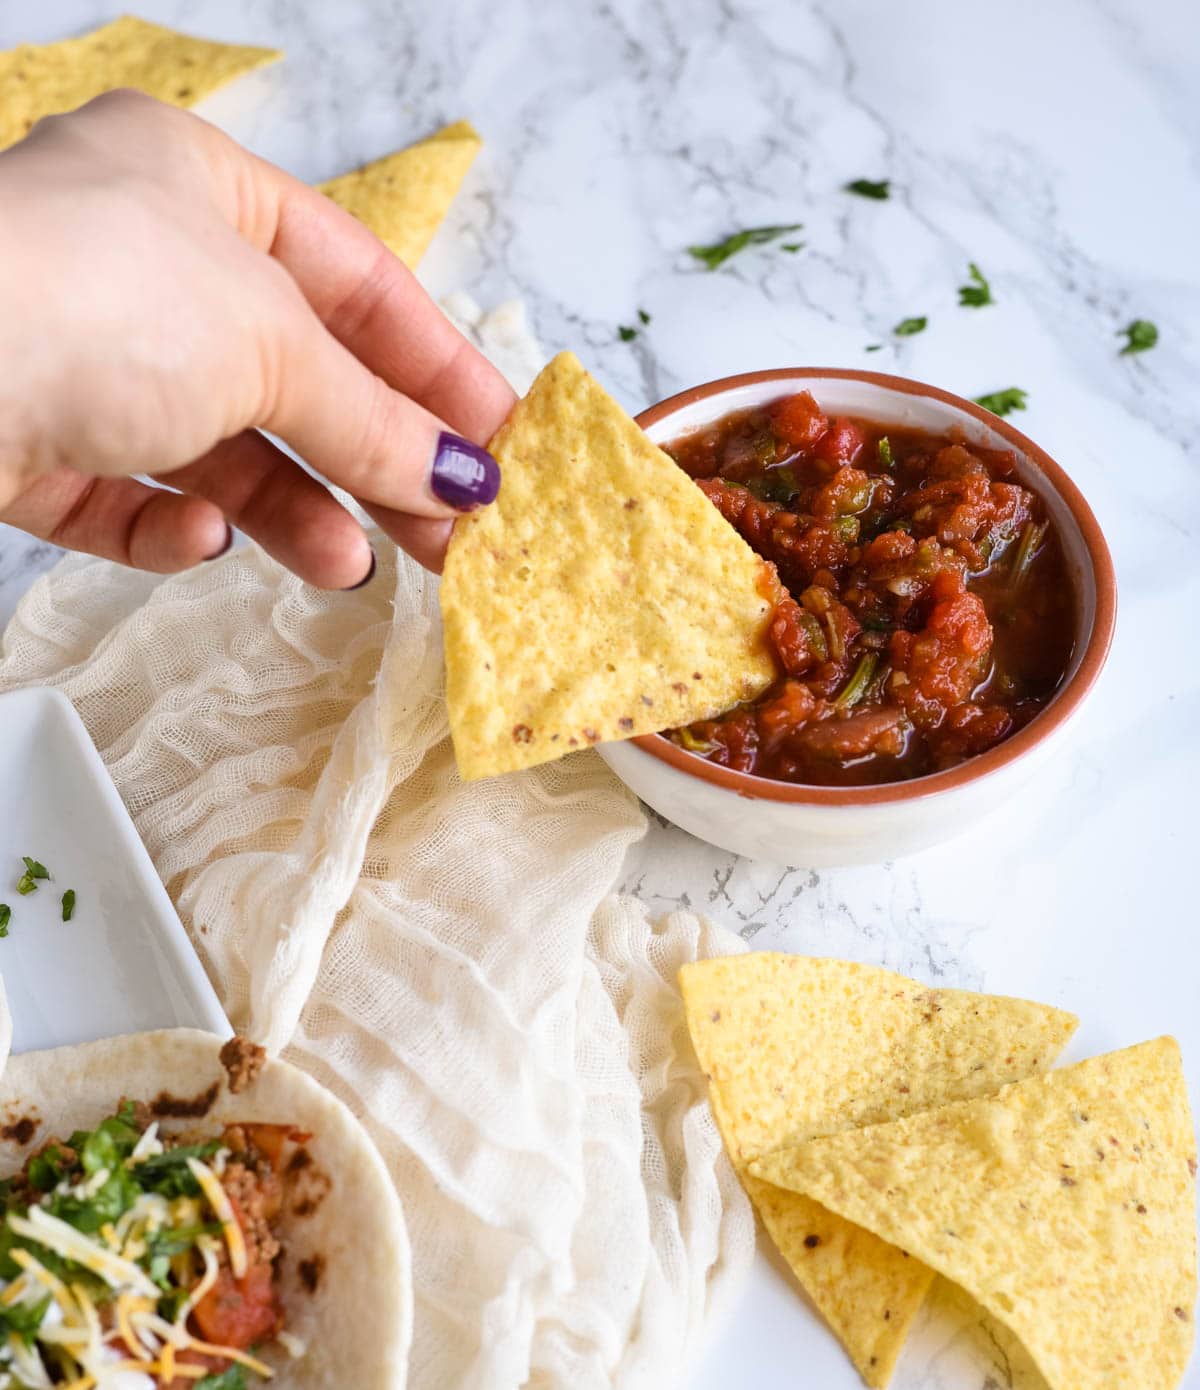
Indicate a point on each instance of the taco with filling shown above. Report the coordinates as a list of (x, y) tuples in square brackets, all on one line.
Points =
[(181, 1213)]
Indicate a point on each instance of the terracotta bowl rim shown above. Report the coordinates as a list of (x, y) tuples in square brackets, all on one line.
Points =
[(1067, 700)]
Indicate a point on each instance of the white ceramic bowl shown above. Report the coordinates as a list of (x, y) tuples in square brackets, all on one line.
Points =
[(816, 827)]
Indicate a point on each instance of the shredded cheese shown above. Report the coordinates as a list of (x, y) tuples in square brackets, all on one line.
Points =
[(212, 1269), (218, 1199), (14, 1290), (148, 1146), (36, 1271), (71, 1244), (126, 1304), (251, 1363)]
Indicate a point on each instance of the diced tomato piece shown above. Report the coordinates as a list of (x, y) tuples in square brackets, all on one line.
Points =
[(792, 638), (842, 444), (798, 420), (239, 1312), (872, 731)]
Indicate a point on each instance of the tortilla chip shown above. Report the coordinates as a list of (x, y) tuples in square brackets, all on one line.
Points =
[(795, 1048), (601, 596), (43, 79), (403, 197), (1065, 1205)]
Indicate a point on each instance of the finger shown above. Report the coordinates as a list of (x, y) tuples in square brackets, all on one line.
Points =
[(424, 540), (355, 430), (366, 297), (123, 520), (271, 498)]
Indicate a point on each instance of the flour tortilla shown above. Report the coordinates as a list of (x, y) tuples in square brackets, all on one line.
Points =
[(357, 1324)]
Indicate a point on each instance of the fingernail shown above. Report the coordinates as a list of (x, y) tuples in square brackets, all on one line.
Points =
[(464, 475), (224, 550), (366, 579)]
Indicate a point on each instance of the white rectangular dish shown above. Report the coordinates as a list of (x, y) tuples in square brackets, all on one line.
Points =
[(123, 963)]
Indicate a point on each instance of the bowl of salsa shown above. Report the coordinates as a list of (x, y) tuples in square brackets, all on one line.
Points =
[(943, 600)]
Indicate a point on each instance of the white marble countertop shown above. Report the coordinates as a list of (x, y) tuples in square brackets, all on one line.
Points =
[(1056, 145)]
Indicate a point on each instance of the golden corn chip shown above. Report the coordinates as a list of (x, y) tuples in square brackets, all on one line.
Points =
[(1065, 1205), (403, 197), (601, 596), (43, 79), (796, 1047)]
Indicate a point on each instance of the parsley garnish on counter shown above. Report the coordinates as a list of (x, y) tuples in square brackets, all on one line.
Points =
[(1142, 334), (978, 293), (879, 189), (27, 883), (626, 334), (719, 252), (68, 904), (1003, 402), (643, 316), (5, 918), (907, 327)]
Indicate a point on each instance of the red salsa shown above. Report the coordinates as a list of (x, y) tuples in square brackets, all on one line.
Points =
[(924, 611)]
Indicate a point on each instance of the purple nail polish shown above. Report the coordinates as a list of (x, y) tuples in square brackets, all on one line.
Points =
[(464, 475)]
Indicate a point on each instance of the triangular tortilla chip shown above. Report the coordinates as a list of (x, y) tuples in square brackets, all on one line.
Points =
[(601, 596), (43, 79), (1065, 1205), (403, 197), (794, 1048)]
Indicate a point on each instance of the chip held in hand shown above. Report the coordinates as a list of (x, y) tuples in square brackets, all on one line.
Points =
[(601, 596)]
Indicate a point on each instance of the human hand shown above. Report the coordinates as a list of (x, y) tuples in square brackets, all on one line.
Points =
[(166, 295)]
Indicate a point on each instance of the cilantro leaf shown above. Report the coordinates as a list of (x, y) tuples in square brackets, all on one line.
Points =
[(47, 1169), (907, 327), (720, 251), (33, 868), (626, 334), (5, 918), (168, 1173), (643, 316), (24, 1319), (68, 904), (232, 1379), (792, 246), (873, 347), (879, 189), (977, 294), (1003, 402), (1142, 334)]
